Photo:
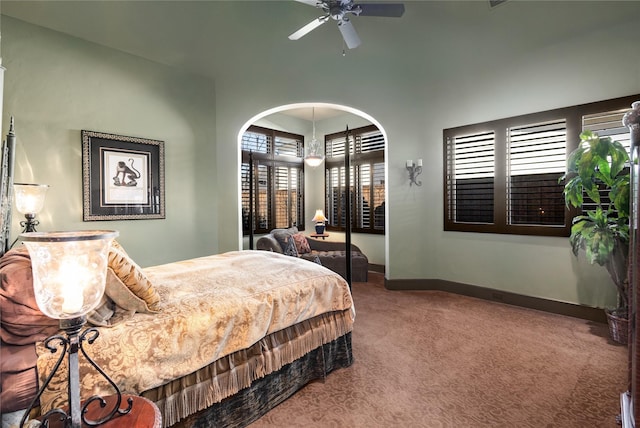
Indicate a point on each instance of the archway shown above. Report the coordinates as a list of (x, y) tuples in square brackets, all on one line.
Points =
[(377, 245)]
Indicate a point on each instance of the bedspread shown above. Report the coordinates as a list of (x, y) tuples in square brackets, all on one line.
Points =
[(210, 307)]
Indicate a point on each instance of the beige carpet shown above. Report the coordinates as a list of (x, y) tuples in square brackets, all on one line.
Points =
[(433, 359)]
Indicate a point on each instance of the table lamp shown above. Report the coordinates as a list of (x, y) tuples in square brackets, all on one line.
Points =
[(29, 201), (319, 218), (69, 272)]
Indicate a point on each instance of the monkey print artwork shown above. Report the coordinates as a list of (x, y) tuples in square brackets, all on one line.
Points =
[(125, 175)]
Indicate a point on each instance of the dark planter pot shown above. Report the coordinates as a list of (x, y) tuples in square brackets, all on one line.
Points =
[(618, 326)]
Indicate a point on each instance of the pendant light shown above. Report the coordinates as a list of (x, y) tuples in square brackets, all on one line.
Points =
[(314, 155)]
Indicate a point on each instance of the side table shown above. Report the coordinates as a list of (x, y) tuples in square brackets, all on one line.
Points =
[(143, 414), (320, 235)]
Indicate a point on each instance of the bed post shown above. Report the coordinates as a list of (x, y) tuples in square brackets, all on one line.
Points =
[(347, 221), (6, 186), (251, 199)]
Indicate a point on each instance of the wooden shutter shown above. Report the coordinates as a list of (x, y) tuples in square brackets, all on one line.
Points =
[(536, 155), (470, 176)]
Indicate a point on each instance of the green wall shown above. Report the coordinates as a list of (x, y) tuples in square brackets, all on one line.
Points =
[(414, 107), (56, 86)]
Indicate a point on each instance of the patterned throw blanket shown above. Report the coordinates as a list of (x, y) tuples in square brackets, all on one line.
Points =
[(210, 307)]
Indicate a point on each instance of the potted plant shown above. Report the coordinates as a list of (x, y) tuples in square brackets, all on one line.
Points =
[(599, 170)]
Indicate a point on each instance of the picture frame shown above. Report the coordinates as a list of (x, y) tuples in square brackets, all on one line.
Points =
[(122, 177)]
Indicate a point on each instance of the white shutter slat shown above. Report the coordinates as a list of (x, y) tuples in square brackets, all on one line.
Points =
[(470, 183), (536, 158)]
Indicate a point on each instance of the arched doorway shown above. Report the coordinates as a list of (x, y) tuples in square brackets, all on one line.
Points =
[(329, 118)]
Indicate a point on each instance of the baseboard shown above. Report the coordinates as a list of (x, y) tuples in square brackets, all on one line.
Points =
[(376, 268), (561, 308)]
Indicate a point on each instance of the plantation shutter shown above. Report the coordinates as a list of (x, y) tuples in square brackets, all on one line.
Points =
[(536, 155), (606, 124), (288, 147), (470, 176), (278, 179), (378, 195), (370, 142), (367, 174), (502, 176)]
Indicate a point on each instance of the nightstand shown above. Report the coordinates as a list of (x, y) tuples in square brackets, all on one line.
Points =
[(143, 414)]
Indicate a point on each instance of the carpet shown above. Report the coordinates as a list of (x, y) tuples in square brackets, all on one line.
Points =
[(435, 359)]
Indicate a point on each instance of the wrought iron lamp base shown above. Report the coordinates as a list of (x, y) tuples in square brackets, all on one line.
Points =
[(70, 345)]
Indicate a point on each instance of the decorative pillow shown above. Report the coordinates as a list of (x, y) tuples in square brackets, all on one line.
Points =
[(290, 248), (117, 304), (282, 235), (22, 322), (317, 260), (302, 245), (102, 313), (132, 276), (122, 295), (18, 374)]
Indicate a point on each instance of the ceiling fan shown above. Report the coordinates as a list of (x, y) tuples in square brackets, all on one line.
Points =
[(338, 11)]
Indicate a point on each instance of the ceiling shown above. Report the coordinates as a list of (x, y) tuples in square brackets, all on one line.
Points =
[(215, 38), (317, 113), (203, 36)]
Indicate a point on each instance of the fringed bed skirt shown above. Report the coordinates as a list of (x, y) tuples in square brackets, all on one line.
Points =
[(239, 388), (248, 405)]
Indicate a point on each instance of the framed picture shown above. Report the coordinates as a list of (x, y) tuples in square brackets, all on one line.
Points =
[(122, 177)]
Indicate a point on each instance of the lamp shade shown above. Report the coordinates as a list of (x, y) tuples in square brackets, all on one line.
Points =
[(69, 270), (29, 198), (313, 160), (319, 217)]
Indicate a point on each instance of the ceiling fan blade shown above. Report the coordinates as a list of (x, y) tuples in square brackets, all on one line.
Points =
[(393, 10), (308, 28), (313, 3), (349, 34)]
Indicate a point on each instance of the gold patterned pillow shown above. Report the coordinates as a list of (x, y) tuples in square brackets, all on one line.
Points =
[(132, 276), (118, 303), (122, 296)]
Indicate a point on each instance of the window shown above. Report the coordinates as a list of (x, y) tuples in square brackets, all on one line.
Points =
[(502, 176), (366, 179), (278, 179)]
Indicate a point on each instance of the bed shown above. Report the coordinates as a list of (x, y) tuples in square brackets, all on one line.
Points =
[(213, 341)]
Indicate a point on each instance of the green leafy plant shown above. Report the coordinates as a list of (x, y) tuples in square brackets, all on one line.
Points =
[(599, 169)]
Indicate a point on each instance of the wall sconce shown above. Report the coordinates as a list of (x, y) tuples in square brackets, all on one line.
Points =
[(415, 169), (29, 201), (69, 270), (319, 218)]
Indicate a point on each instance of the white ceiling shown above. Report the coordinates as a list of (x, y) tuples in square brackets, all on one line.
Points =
[(214, 38)]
